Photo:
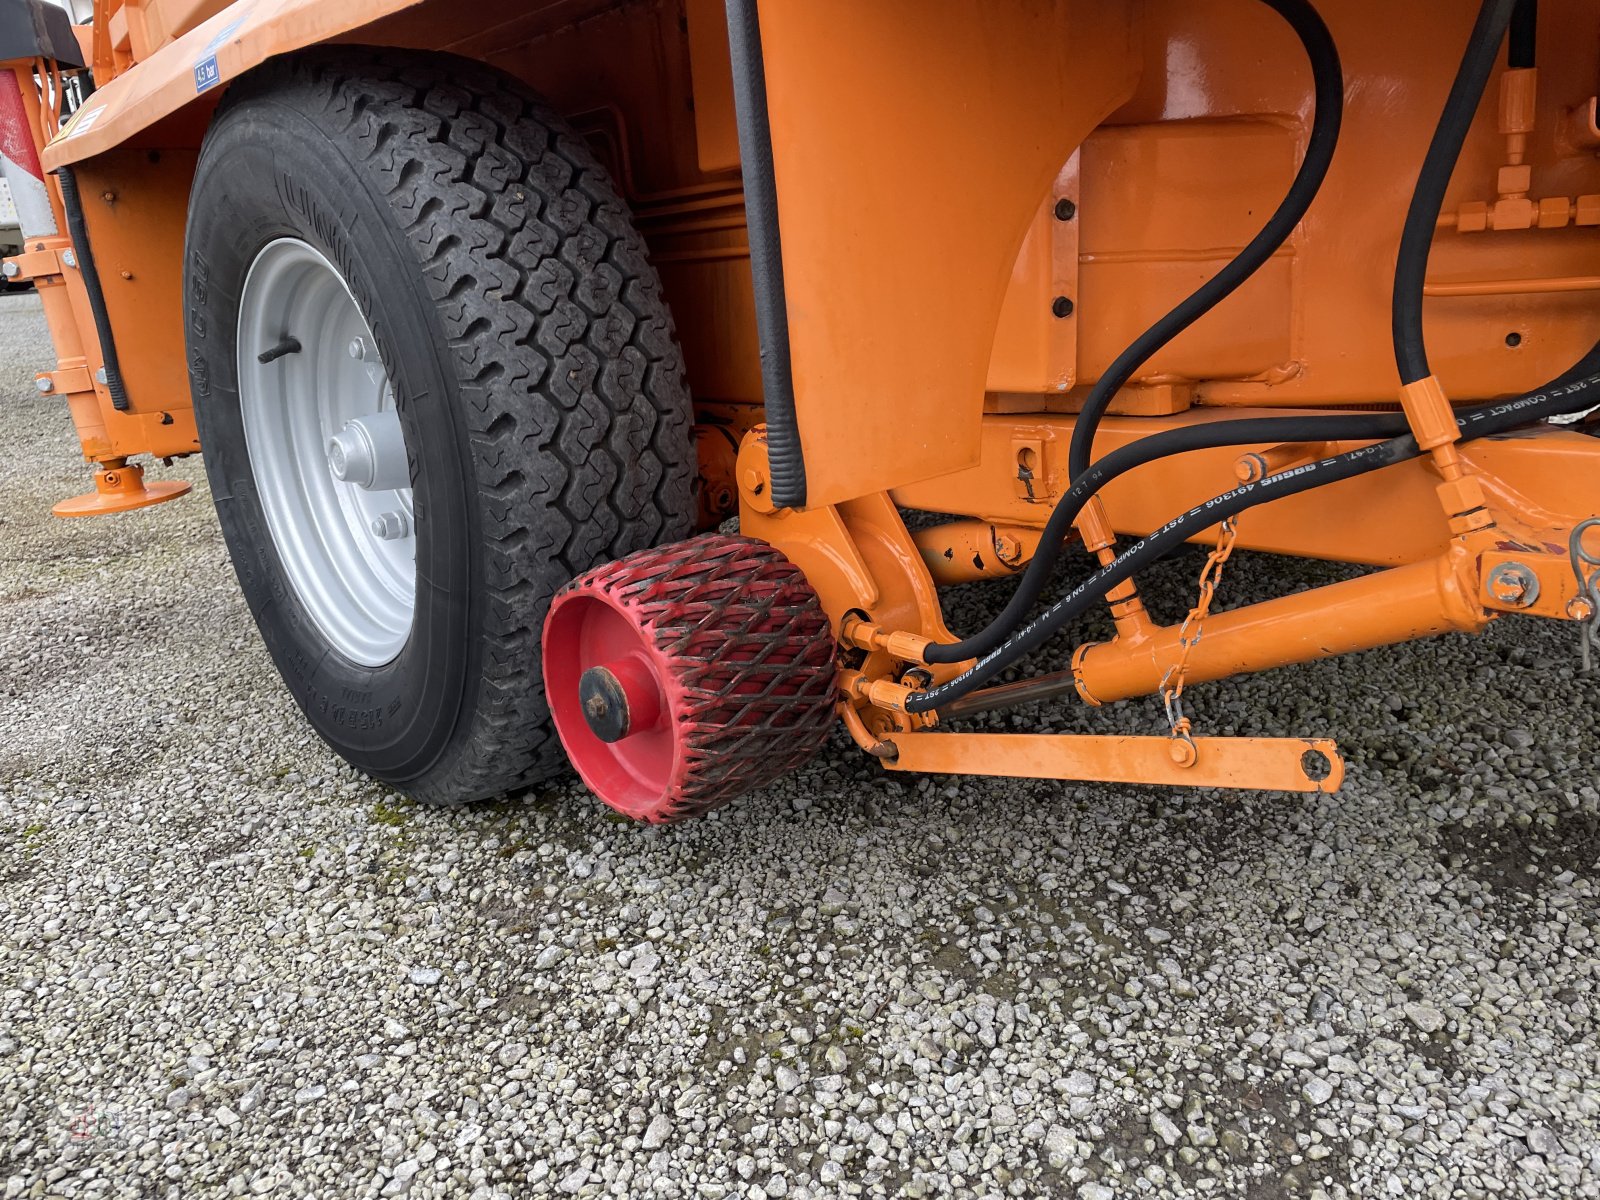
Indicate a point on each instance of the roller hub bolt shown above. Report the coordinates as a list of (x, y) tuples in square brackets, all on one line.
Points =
[(620, 699)]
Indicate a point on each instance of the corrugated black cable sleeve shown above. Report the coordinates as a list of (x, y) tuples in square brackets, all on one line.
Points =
[(76, 226), (786, 455)]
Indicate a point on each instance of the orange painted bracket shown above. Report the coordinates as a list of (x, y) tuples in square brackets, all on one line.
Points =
[(1532, 584), (1261, 764)]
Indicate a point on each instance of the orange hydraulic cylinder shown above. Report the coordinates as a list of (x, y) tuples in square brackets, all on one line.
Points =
[(1420, 600)]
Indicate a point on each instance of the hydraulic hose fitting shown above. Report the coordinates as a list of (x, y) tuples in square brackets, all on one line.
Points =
[(1127, 610), (1095, 526), (1519, 102), (1433, 424), (1432, 420), (856, 630), (880, 693)]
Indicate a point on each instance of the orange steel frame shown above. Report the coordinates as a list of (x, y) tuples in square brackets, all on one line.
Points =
[(948, 173)]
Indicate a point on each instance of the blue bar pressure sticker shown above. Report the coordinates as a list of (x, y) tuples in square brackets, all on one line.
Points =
[(207, 74)]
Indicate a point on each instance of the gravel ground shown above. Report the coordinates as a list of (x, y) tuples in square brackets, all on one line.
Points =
[(230, 965)]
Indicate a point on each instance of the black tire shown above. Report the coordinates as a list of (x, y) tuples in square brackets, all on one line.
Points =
[(536, 371)]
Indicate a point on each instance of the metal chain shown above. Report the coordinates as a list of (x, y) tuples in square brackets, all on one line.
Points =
[(1191, 629), (1586, 567)]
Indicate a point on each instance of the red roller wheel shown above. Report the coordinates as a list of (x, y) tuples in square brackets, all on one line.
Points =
[(682, 677)]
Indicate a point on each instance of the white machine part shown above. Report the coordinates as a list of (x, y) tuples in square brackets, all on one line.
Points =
[(10, 229)]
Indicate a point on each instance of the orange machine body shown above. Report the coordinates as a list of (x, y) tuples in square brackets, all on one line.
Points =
[(980, 205)]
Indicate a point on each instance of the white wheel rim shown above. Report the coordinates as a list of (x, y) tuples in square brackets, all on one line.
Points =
[(348, 544)]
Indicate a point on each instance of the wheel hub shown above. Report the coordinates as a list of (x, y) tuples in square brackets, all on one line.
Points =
[(327, 450), (620, 699), (370, 452)]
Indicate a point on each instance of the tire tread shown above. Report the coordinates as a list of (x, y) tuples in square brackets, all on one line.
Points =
[(569, 372)]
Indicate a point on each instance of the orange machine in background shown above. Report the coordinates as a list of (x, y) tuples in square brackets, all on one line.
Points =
[(1319, 280), (33, 91)]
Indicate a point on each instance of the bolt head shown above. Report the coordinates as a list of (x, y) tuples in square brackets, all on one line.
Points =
[(10, 270), (45, 384), (339, 455), (391, 526), (100, 375), (1514, 584), (69, 258)]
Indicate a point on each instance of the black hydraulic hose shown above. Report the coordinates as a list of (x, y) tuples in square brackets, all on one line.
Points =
[(1386, 425), (1148, 549), (71, 202), (1564, 395), (1093, 477), (1328, 88), (1483, 48), (1320, 427), (1521, 53), (1329, 427), (1571, 392)]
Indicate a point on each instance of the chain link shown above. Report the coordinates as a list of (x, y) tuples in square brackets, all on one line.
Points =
[(1586, 567), (1191, 629)]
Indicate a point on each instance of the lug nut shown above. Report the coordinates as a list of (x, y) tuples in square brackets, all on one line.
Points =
[(358, 348), (391, 526)]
